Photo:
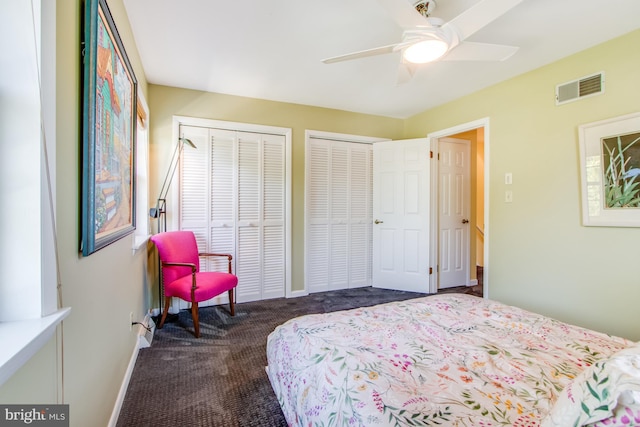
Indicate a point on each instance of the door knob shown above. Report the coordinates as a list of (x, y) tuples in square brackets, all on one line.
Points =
[(377, 221), (465, 221)]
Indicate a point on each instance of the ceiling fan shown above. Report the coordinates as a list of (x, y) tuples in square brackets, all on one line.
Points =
[(426, 38)]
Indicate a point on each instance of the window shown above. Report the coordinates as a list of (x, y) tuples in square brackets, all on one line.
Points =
[(28, 314), (142, 231)]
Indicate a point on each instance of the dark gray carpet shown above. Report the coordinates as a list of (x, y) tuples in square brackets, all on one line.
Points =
[(219, 379)]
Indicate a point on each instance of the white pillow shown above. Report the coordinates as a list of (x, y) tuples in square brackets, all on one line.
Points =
[(606, 388)]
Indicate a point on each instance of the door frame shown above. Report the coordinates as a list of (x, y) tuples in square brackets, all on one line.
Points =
[(433, 246), (174, 192)]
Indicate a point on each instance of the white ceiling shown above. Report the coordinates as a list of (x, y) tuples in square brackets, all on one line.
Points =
[(273, 49)]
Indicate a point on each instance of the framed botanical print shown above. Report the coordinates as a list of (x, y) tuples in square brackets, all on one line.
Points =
[(610, 169)]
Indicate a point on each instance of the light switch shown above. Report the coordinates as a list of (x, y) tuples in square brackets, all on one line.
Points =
[(508, 196), (508, 178)]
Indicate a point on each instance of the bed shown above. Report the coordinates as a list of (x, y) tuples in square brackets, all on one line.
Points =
[(450, 360)]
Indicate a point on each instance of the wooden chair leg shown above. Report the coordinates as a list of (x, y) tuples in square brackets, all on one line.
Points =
[(231, 304), (194, 315), (167, 302)]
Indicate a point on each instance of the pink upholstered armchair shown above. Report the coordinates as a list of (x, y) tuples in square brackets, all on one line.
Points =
[(181, 275)]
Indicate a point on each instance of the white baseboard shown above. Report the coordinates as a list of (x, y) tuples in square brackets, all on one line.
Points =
[(123, 387), (145, 336), (296, 294), (473, 282)]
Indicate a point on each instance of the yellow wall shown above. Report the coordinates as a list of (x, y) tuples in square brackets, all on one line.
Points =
[(540, 256), (165, 102)]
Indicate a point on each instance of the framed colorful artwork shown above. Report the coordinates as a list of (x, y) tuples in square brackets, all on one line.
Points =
[(109, 132), (610, 171)]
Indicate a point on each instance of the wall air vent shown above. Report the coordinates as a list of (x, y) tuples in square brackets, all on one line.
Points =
[(581, 88)]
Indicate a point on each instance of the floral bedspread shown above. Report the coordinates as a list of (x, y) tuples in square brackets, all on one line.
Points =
[(449, 359)]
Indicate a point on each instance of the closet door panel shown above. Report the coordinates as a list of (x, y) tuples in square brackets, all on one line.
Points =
[(339, 210), (222, 190), (249, 224), (317, 270), (193, 195), (339, 257), (249, 178), (260, 216), (248, 264), (360, 237), (273, 216), (359, 272), (194, 175), (273, 277), (317, 216)]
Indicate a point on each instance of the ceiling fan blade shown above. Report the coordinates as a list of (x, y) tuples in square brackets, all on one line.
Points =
[(361, 54), (480, 15), (404, 14), (471, 51), (406, 70)]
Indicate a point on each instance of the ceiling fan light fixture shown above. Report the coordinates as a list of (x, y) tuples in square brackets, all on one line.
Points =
[(426, 51)]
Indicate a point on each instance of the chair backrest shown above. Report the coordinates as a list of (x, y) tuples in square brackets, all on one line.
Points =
[(176, 246)]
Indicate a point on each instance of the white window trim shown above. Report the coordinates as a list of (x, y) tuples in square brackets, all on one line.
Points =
[(31, 51), (142, 232), (22, 339)]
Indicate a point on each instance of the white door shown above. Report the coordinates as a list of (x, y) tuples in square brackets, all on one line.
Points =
[(338, 189), (453, 211), (260, 238), (194, 200), (401, 215)]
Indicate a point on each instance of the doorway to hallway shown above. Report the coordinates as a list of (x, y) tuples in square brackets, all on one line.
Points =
[(458, 198)]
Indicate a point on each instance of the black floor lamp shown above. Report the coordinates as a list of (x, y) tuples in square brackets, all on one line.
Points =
[(160, 211)]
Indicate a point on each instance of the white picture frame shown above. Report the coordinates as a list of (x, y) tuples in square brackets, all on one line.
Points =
[(610, 171)]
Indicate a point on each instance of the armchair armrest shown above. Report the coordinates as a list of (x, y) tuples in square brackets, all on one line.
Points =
[(180, 264), (184, 264), (228, 256)]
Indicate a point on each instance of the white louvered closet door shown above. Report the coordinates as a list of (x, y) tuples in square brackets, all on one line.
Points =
[(338, 215), (360, 215), (273, 216), (206, 197), (261, 216), (317, 216), (193, 185), (242, 200), (221, 198), (206, 193)]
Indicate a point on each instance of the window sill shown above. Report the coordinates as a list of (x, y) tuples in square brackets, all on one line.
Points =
[(139, 241), (23, 338)]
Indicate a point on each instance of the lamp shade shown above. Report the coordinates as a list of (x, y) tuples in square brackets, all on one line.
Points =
[(425, 51)]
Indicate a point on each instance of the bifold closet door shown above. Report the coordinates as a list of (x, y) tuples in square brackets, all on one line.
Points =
[(338, 215), (232, 197), (260, 237), (207, 197)]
